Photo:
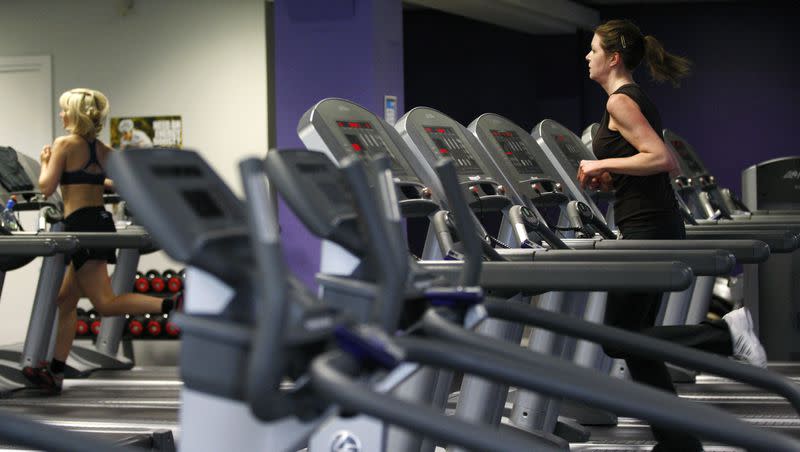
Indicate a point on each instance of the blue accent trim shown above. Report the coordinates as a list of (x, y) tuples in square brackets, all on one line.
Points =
[(365, 349)]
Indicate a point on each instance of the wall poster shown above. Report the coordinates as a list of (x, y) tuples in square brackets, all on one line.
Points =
[(146, 132)]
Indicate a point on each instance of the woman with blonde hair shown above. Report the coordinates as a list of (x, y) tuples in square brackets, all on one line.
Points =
[(75, 162)]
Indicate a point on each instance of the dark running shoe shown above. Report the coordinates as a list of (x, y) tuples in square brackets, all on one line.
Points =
[(178, 300), (31, 373), (50, 382)]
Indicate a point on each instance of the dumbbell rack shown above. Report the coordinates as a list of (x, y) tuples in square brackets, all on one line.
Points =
[(155, 326)]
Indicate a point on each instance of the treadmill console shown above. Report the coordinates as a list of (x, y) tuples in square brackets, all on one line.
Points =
[(587, 137), (515, 157), (431, 136), (341, 128), (690, 164), (445, 142), (564, 151)]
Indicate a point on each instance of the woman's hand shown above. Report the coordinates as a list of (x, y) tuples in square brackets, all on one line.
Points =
[(604, 182), (44, 156), (590, 173)]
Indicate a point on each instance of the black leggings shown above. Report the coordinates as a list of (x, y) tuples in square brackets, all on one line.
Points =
[(637, 311)]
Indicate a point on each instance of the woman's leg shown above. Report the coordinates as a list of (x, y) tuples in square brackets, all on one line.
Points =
[(67, 303), (712, 337), (634, 312), (94, 283)]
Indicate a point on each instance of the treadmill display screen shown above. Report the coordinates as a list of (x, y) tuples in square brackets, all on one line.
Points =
[(366, 141), (517, 153), (686, 155), (572, 152), (448, 144)]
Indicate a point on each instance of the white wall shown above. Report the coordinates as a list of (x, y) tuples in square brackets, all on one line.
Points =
[(202, 59)]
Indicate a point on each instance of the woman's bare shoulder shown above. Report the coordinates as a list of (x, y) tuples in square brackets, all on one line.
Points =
[(103, 149), (66, 143)]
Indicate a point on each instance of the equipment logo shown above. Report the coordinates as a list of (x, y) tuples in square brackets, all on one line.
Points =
[(792, 174), (345, 441)]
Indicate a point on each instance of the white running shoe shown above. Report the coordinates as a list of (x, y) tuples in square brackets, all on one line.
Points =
[(746, 346)]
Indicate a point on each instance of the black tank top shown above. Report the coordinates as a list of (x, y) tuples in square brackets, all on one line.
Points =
[(638, 199), (82, 176)]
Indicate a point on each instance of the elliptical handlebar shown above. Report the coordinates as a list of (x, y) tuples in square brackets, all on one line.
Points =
[(265, 368), (385, 252), (470, 239)]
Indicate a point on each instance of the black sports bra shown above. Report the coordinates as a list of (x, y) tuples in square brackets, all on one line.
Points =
[(82, 176)]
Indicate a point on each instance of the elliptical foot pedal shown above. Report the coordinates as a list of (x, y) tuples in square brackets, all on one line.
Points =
[(571, 431), (159, 440), (545, 438), (681, 375), (586, 415)]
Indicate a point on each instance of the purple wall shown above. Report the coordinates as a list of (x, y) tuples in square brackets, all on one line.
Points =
[(351, 49), (739, 107)]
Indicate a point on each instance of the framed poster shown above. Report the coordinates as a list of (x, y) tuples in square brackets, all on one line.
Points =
[(146, 132)]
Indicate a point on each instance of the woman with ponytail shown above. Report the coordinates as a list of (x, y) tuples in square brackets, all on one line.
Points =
[(634, 161), (75, 162)]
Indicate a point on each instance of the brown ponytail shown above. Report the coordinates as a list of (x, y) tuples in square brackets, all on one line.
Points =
[(664, 65), (624, 37)]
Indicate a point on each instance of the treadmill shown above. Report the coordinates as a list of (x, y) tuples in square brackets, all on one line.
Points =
[(714, 201), (507, 147), (706, 197), (771, 187), (17, 173), (565, 152), (137, 407), (772, 280)]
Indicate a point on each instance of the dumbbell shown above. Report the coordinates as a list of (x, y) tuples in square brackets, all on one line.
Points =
[(140, 283), (135, 326), (82, 326), (157, 283), (154, 325), (173, 280), (94, 322), (171, 328)]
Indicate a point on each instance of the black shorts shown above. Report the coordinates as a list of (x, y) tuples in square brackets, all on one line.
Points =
[(90, 219)]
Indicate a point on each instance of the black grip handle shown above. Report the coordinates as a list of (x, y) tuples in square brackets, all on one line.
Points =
[(266, 366), (384, 252)]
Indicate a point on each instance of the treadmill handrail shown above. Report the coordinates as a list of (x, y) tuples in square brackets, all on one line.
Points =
[(745, 251), (26, 246), (572, 276), (135, 239), (778, 241), (553, 376), (646, 347), (708, 262)]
